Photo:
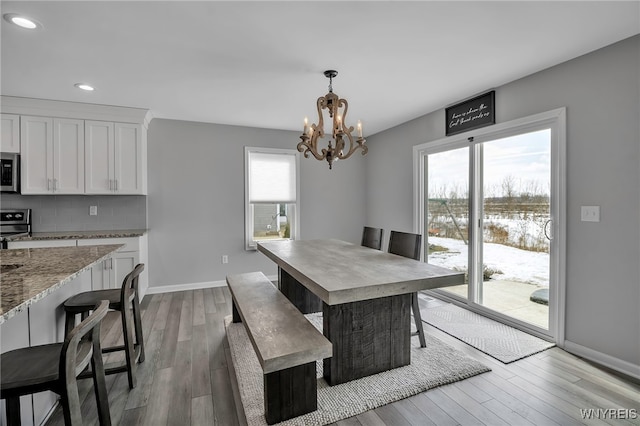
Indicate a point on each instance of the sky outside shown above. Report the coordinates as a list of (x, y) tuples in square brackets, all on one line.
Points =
[(522, 159)]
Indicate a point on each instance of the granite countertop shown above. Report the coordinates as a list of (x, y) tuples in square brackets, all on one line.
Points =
[(80, 235), (28, 275)]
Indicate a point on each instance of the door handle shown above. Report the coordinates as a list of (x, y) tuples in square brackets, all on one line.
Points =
[(546, 233)]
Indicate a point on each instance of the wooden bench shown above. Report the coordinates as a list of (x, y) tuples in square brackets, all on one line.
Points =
[(286, 343)]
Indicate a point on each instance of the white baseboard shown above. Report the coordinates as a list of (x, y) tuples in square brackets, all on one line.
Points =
[(192, 286), (614, 363)]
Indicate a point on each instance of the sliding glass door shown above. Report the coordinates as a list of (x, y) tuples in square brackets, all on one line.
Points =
[(489, 205), (515, 216)]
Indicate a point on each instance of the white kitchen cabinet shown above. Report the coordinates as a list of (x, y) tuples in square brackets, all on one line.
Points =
[(111, 272), (10, 139), (52, 155), (115, 158)]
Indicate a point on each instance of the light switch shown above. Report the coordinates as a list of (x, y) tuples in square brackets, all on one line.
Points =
[(590, 213), (93, 210)]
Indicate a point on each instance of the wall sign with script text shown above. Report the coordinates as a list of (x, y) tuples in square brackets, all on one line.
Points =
[(471, 114)]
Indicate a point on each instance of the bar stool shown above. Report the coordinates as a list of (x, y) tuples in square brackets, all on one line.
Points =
[(56, 367), (126, 301), (409, 245)]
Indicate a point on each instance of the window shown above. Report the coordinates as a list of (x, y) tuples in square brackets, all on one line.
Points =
[(271, 195)]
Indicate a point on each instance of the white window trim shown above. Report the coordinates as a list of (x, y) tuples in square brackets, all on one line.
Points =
[(556, 120), (250, 244)]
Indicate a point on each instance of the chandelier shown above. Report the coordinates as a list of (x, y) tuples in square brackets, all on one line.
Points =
[(340, 131)]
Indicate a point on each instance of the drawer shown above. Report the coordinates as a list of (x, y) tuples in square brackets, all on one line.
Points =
[(40, 244), (130, 244)]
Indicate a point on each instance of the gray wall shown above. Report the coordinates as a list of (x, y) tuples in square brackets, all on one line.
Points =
[(52, 213), (196, 200), (601, 92)]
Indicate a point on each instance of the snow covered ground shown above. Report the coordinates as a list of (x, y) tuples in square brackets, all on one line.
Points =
[(515, 264)]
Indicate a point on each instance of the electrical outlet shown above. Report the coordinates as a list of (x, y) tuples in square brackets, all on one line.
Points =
[(93, 210), (225, 259), (590, 213)]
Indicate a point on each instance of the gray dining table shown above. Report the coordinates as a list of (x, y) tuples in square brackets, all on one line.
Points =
[(364, 296)]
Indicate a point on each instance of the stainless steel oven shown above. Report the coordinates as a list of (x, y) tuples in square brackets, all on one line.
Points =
[(10, 170), (14, 223)]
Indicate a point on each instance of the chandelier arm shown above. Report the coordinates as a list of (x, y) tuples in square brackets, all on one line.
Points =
[(353, 147), (321, 103), (345, 104)]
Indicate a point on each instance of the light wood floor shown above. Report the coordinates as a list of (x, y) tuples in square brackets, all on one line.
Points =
[(185, 380)]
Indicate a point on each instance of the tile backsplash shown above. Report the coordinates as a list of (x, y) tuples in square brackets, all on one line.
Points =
[(52, 213)]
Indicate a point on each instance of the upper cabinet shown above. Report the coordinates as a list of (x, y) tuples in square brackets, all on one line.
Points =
[(114, 158), (52, 160), (71, 148), (10, 138)]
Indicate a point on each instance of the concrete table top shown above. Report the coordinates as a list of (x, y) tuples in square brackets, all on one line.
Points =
[(340, 272)]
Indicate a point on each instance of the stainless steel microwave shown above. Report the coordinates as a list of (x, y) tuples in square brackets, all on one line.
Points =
[(10, 169)]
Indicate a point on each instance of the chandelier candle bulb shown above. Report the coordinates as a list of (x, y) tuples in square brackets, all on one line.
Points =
[(359, 129), (306, 123)]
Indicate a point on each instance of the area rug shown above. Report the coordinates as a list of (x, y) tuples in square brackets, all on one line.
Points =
[(433, 366), (500, 341)]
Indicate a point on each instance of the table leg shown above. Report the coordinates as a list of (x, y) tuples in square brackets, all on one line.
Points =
[(303, 299), (368, 337)]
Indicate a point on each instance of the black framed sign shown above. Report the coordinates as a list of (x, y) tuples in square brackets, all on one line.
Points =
[(471, 114)]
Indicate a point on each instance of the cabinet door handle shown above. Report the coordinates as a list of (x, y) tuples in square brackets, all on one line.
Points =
[(48, 184), (55, 185), (110, 184)]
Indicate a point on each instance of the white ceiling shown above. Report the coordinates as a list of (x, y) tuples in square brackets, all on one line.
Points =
[(261, 64)]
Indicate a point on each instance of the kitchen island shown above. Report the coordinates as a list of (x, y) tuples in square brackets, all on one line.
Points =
[(28, 275), (34, 283)]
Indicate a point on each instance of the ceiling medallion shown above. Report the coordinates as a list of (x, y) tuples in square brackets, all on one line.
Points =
[(337, 108)]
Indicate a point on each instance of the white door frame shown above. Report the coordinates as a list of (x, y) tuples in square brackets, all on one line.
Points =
[(556, 121)]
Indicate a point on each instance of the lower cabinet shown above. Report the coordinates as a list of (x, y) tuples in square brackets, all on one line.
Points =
[(111, 272), (40, 244)]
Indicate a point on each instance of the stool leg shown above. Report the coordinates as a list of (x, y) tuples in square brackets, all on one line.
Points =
[(100, 387), (13, 411), (418, 319), (129, 351), (66, 408), (69, 322), (138, 327)]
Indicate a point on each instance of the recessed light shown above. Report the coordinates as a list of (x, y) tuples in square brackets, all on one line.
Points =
[(22, 21), (84, 86)]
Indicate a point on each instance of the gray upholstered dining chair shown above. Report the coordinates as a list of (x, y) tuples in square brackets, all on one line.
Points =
[(409, 245), (372, 237), (56, 367)]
